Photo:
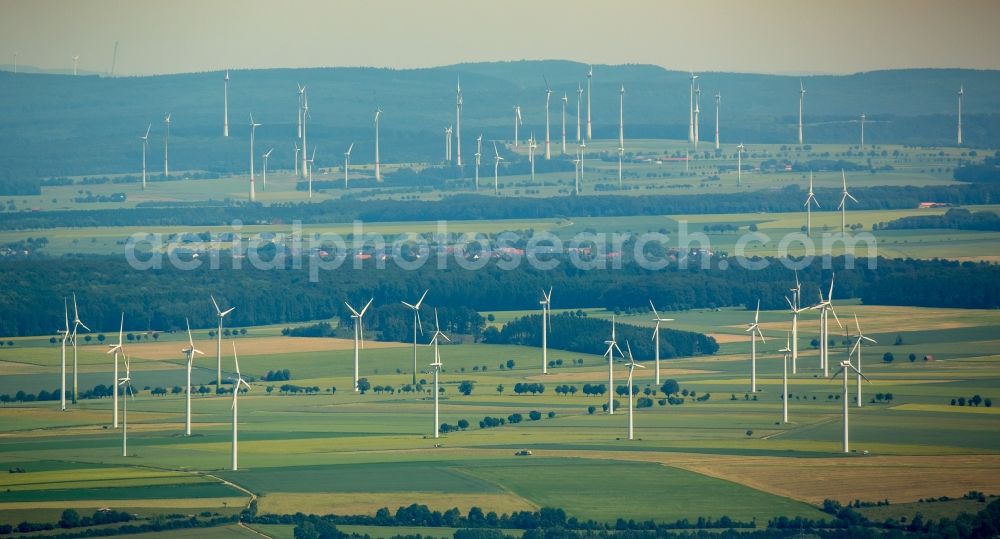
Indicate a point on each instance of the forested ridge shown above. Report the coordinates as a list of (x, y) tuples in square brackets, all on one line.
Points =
[(481, 207), (32, 290)]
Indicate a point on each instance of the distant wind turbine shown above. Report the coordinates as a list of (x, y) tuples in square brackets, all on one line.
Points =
[(857, 349), (754, 330), (862, 131), (610, 354), (76, 61), (347, 164), (802, 98), (844, 367), (479, 157), (190, 351), (253, 129), (435, 341), (378, 167), (579, 103), (447, 143), (631, 367), (718, 105), (517, 124), (77, 323), (496, 170), (843, 203), (265, 156), (116, 348), (784, 381), (458, 123), (691, 108), (531, 154), (166, 147), (305, 116), (825, 307), (656, 338), (359, 335), (548, 141), (795, 305), (62, 368), (565, 100), (145, 145), (309, 165), (546, 304), (225, 105), (739, 164), (697, 115), (126, 384), (415, 307), (961, 95), (590, 77), (296, 160), (220, 314), (810, 200), (237, 383)]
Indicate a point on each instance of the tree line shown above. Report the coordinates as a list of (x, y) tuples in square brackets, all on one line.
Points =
[(957, 218)]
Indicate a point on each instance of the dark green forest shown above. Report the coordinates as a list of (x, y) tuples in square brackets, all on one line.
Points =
[(32, 290)]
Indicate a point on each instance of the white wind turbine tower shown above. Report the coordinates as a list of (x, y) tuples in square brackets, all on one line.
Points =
[(825, 307), (302, 93), (239, 381), (697, 115), (305, 116), (802, 97), (77, 323), (15, 61), (576, 172), (961, 95), (253, 129), (220, 314), (691, 108), (166, 147), (126, 384), (296, 160), (458, 124), (631, 367), (62, 368), (843, 203), (496, 170), (795, 305), (347, 164), (378, 165), (784, 381), (565, 101), (857, 347), (145, 144), (266, 156), (447, 143), (76, 61), (546, 304), (437, 372), (739, 164), (225, 106), (590, 77), (517, 124), (115, 348), (610, 354), (415, 307), (579, 103), (656, 338), (621, 132), (309, 164), (548, 141), (531, 154), (754, 330), (190, 351), (479, 156), (810, 200), (359, 335), (844, 366), (862, 131), (718, 105)]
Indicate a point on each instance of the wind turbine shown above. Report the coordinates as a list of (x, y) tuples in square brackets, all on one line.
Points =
[(857, 347), (784, 381), (656, 338), (810, 200), (576, 172), (517, 124), (115, 348), (697, 115), (754, 330), (961, 95), (166, 147), (825, 307), (347, 163), (309, 164), (145, 144), (296, 160), (77, 323), (437, 371), (565, 100), (531, 154), (220, 314), (302, 93), (126, 384), (548, 142), (496, 170), (447, 143), (253, 129), (579, 103), (610, 354), (190, 351), (266, 156), (359, 335), (590, 76), (862, 131), (631, 367), (802, 97), (795, 305), (621, 157), (62, 369), (378, 166), (843, 203), (225, 105), (844, 366), (739, 164), (621, 117), (415, 307), (458, 123), (76, 61), (718, 105), (691, 108), (239, 381), (546, 303), (15, 61), (479, 156), (305, 116)]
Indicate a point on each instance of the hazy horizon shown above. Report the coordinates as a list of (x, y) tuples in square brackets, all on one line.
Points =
[(774, 36)]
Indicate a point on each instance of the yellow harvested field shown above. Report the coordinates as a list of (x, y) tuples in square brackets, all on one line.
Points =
[(639, 374), (944, 408), (180, 503), (727, 338), (881, 318), (253, 346), (14, 367), (367, 503)]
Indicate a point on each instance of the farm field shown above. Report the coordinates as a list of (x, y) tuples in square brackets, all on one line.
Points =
[(356, 453)]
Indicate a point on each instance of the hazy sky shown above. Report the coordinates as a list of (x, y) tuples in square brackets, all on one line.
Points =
[(772, 36)]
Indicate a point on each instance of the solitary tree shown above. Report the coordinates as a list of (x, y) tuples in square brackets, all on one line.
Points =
[(466, 388), (888, 357), (500, 389)]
